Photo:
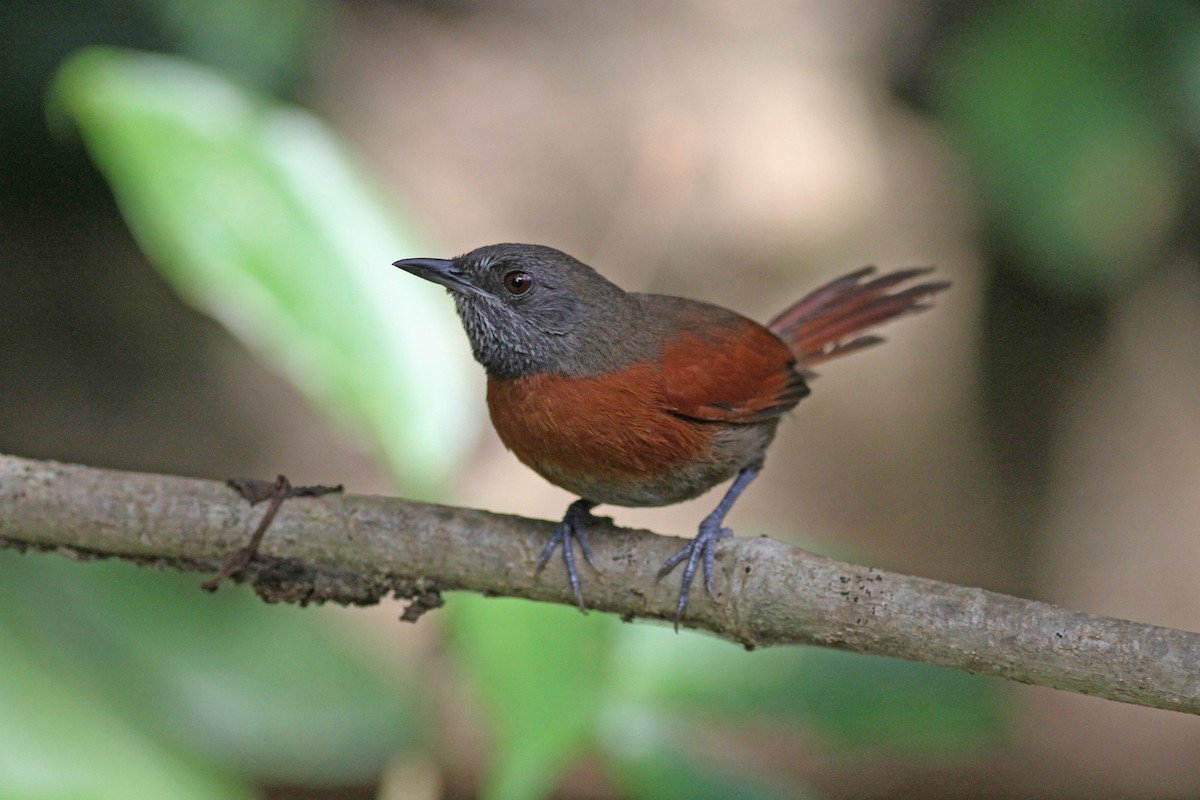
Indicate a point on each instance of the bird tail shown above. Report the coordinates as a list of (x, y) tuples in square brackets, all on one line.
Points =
[(826, 323)]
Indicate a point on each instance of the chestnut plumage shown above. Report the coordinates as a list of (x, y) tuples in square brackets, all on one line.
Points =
[(641, 399)]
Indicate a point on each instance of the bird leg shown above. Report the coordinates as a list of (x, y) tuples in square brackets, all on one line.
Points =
[(573, 526), (702, 549)]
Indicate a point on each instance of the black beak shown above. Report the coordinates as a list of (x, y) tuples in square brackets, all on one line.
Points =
[(442, 271)]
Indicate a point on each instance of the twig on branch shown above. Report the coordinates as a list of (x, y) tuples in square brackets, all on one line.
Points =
[(358, 549)]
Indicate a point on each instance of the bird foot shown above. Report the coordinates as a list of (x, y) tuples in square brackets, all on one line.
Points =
[(572, 528), (701, 550)]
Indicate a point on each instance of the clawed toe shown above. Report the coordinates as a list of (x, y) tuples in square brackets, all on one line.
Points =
[(699, 551), (572, 529)]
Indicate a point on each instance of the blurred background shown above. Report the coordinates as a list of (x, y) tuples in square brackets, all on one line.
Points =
[(195, 279)]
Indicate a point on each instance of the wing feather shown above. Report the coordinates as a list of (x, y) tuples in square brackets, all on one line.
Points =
[(734, 371)]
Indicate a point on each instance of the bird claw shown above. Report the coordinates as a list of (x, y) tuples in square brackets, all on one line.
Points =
[(572, 528), (697, 552)]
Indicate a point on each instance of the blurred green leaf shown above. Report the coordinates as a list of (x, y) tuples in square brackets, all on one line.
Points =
[(258, 688), (260, 217), (263, 41), (847, 698), (59, 739), (1056, 106), (651, 759), (542, 673), (1181, 59)]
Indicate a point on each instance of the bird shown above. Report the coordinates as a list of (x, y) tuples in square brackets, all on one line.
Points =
[(642, 400)]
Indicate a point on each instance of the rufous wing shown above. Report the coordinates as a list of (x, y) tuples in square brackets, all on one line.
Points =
[(737, 372)]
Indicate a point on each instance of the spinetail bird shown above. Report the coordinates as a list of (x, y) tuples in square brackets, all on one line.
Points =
[(639, 399)]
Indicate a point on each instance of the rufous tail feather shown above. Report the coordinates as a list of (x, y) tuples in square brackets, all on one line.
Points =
[(832, 321)]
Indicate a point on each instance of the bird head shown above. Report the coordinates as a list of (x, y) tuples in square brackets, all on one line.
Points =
[(529, 309)]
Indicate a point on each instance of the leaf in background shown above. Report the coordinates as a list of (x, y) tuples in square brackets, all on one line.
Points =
[(847, 698), (259, 216), (542, 672), (655, 760), (59, 739), (257, 688), (1057, 107), (264, 41)]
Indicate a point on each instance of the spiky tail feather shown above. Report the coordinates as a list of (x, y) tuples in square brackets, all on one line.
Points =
[(823, 325)]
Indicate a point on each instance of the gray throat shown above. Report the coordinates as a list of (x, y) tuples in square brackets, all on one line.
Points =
[(597, 338)]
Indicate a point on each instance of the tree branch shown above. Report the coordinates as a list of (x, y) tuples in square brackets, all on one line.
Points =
[(357, 549)]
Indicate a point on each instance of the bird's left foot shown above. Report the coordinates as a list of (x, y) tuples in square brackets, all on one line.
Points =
[(572, 528), (700, 550)]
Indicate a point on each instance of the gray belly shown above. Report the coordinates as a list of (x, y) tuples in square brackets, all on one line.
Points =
[(734, 448)]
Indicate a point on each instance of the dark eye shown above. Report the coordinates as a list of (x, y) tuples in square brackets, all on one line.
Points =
[(518, 282)]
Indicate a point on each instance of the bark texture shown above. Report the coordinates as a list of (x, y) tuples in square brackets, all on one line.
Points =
[(358, 549)]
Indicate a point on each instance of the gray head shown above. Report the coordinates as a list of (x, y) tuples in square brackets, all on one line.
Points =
[(528, 309)]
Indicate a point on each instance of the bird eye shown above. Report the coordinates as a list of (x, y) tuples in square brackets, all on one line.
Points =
[(518, 282)]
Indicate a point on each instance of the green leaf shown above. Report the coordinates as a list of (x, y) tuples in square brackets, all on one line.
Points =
[(654, 759), (59, 739), (1054, 103), (266, 41), (258, 688), (851, 699), (260, 217), (542, 673)]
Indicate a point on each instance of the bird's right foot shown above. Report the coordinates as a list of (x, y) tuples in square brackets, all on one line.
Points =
[(572, 528), (699, 552)]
